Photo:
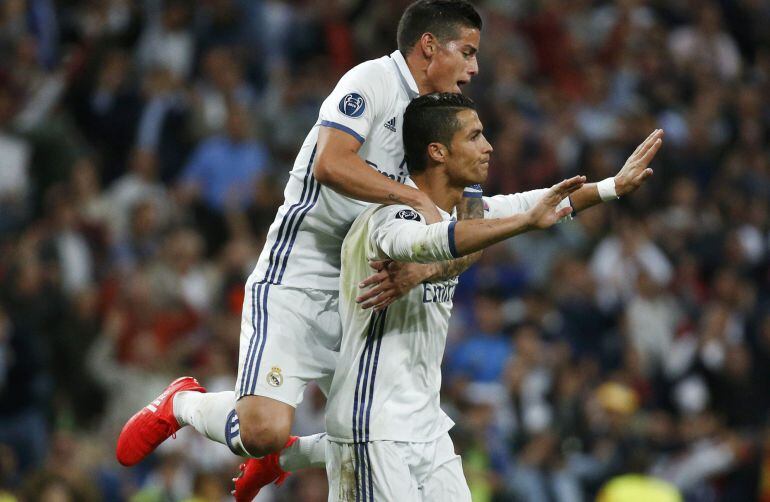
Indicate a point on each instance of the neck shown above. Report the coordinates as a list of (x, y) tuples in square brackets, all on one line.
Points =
[(418, 66), (435, 183)]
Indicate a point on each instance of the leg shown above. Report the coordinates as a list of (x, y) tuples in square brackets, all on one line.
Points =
[(281, 350), (255, 420), (205, 412), (290, 337), (263, 423), (208, 413)]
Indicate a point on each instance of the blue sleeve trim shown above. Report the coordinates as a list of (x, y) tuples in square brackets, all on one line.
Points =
[(452, 246), (340, 127)]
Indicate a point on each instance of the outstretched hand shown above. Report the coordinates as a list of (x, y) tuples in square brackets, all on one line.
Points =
[(635, 171), (545, 213)]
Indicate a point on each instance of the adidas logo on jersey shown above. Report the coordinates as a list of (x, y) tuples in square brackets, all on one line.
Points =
[(391, 124)]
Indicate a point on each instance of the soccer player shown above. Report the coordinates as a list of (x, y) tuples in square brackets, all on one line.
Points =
[(290, 330), (387, 435)]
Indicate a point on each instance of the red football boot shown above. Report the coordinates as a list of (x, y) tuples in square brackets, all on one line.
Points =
[(258, 472), (153, 424)]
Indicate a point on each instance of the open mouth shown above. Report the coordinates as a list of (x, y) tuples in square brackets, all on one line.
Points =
[(461, 83)]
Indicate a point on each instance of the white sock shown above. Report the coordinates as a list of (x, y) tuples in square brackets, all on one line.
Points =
[(307, 451), (213, 415), (205, 411)]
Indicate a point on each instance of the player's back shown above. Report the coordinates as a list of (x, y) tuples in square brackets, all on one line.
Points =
[(388, 377), (303, 243)]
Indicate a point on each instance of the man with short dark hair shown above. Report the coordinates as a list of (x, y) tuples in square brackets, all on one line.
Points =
[(442, 18), (387, 435)]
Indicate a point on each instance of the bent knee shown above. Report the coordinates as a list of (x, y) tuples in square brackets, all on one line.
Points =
[(264, 425), (263, 439)]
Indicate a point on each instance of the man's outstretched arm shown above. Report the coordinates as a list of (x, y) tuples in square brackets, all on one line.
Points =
[(630, 177), (472, 236), (412, 241)]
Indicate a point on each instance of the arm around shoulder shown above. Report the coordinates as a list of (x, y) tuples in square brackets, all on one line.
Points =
[(338, 166)]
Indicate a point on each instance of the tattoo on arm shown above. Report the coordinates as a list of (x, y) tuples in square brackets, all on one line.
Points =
[(469, 208), (446, 270)]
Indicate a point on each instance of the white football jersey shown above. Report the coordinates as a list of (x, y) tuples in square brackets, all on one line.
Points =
[(303, 244), (388, 377)]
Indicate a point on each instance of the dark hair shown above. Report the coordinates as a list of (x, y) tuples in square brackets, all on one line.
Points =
[(442, 18), (431, 118)]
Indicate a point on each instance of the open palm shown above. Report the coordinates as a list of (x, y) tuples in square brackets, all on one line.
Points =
[(635, 171), (545, 213)]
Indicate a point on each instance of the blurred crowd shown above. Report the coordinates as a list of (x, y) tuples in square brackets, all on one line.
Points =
[(144, 145)]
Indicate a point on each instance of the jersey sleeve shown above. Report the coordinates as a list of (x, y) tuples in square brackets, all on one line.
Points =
[(502, 206), (400, 233), (354, 103)]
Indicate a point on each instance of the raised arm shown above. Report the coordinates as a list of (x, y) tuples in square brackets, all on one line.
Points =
[(472, 236), (634, 172), (407, 239)]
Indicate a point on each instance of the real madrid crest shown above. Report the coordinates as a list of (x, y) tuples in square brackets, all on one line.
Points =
[(275, 378)]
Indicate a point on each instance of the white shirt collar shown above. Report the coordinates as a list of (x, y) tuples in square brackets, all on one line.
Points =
[(410, 85)]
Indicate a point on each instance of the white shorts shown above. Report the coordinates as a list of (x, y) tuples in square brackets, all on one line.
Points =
[(396, 471), (289, 336)]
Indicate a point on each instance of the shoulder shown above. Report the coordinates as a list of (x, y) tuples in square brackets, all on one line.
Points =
[(375, 74), (365, 90), (372, 67)]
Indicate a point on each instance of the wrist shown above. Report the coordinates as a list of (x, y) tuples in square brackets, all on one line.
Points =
[(429, 272), (608, 189), (529, 221)]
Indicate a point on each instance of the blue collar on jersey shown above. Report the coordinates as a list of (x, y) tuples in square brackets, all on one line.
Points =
[(407, 80)]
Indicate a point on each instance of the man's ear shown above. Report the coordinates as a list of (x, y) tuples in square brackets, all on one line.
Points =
[(437, 152), (428, 45)]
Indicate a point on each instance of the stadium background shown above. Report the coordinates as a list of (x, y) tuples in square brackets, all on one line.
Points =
[(143, 150)]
